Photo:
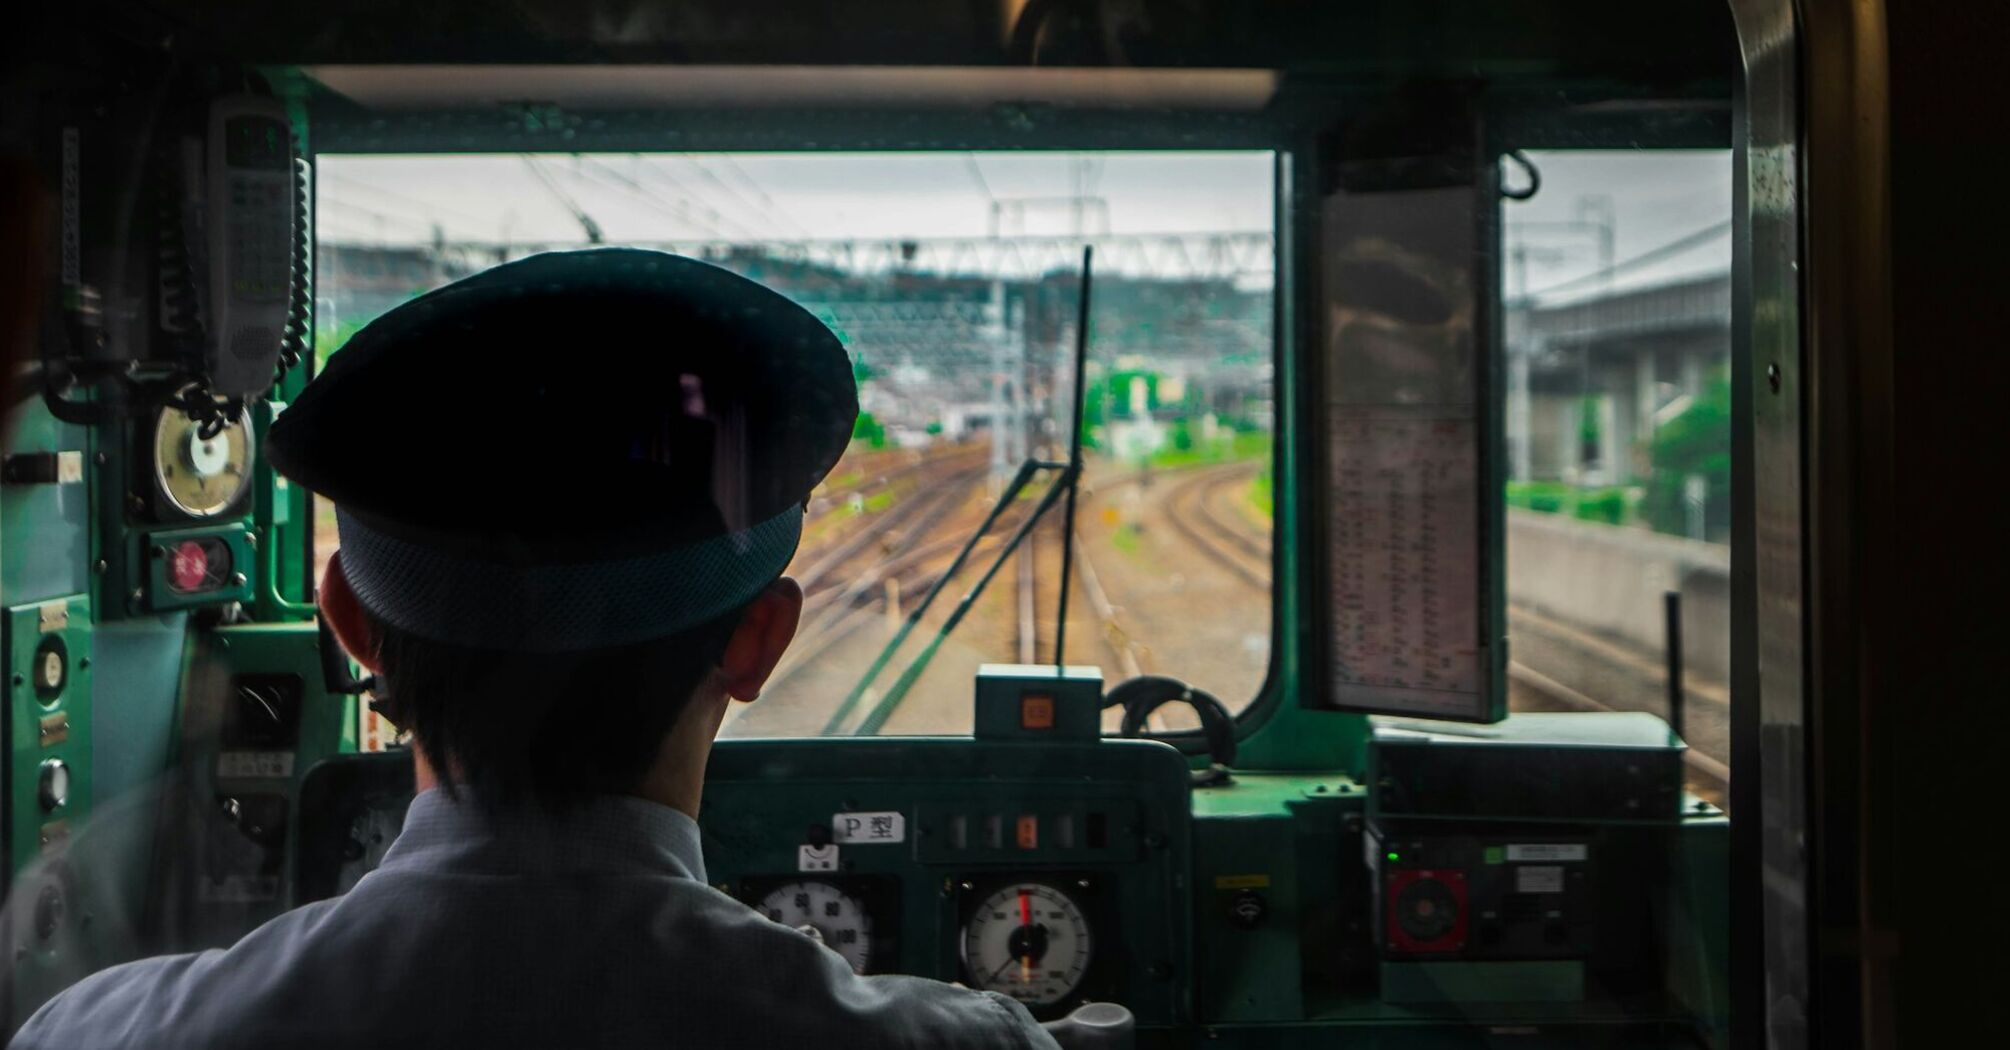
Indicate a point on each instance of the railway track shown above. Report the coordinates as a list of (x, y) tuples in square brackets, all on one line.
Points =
[(911, 563), (865, 577), (880, 477), (1194, 508), (1709, 775), (900, 526)]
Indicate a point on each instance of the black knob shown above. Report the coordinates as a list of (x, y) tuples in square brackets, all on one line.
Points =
[(1247, 909)]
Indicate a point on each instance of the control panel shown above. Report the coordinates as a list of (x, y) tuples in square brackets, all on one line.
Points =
[(1051, 874), (1066, 873), (1054, 874)]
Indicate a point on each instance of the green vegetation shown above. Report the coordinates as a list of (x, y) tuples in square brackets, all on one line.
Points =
[(1607, 504), (1697, 442), (869, 430), (1262, 495), (1092, 415), (332, 337), (1588, 424), (1125, 539), (1241, 444)]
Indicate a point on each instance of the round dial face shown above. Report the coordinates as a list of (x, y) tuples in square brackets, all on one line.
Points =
[(825, 914), (200, 476), (1030, 941)]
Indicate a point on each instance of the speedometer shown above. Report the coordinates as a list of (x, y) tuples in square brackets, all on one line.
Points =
[(825, 914), (1030, 941)]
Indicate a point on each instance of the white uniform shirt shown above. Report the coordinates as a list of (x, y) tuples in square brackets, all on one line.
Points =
[(595, 929)]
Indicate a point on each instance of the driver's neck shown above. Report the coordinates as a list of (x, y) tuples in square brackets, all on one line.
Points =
[(677, 777)]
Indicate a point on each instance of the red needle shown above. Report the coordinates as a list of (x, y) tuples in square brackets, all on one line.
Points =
[(1025, 919)]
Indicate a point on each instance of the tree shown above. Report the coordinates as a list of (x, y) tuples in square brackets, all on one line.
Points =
[(1697, 442), (869, 430)]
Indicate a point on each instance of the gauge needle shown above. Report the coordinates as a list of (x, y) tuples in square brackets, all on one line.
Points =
[(1025, 919)]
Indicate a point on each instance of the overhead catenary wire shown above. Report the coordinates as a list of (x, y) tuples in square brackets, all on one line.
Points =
[(711, 218), (1665, 251), (761, 194), (680, 211), (586, 223), (697, 163)]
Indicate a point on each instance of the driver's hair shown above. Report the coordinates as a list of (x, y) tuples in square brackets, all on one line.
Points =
[(552, 728)]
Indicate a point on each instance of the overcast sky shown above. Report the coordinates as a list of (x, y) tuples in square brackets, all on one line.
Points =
[(784, 196), (1655, 199)]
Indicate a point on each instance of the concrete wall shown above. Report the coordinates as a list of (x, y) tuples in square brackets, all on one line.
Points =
[(1609, 580)]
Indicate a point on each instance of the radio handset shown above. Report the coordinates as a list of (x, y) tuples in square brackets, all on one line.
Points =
[(250, 226)]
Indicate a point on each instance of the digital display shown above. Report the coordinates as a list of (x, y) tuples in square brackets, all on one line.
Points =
[(257, 142)]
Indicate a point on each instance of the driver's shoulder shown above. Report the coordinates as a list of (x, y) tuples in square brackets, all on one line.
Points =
[(138, 1003)]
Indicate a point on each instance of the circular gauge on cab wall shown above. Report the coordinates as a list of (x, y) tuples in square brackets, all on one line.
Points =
[(1028, 940), (201, 477), (825, 914)]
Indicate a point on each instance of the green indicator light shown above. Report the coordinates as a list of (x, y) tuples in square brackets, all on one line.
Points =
[(1394, 856)]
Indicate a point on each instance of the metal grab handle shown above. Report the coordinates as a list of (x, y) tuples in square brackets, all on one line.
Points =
[(1095, 1026)]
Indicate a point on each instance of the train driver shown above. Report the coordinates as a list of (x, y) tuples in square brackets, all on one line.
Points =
[(566, 489)]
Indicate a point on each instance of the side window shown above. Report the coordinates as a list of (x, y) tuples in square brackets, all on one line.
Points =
[(1617, 329)]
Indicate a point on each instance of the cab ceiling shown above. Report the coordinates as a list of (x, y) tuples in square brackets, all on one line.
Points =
[(1667, 42)]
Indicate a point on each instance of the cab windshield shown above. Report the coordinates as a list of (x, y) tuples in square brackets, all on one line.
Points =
[(953, 280)]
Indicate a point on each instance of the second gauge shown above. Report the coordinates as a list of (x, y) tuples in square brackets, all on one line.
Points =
[(1028, 940)]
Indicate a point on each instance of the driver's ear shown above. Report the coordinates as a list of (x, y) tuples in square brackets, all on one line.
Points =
[(763, 635), (352, 626)]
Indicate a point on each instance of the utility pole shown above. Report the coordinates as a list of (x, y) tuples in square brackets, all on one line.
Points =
[(994, 334)]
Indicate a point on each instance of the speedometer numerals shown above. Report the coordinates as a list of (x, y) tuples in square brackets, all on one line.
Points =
[(856, 916), (826, 914)]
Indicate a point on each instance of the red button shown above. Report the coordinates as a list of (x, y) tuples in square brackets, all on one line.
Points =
[(188, 568)]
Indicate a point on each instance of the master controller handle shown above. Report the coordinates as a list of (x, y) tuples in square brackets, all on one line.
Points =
[(1095, 1026)]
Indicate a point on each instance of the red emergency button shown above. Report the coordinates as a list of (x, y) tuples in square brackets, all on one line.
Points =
[(188, 566)]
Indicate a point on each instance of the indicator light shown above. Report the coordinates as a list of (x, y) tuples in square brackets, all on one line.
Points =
[(1394, 856)]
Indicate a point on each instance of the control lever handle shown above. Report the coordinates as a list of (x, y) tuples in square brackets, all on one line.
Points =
[(1095, 1026)]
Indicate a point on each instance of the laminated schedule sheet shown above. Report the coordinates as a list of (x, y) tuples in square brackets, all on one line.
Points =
[(1405, 577)]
